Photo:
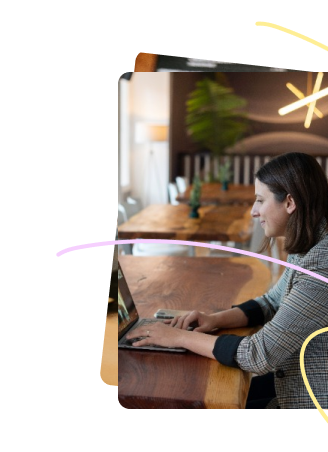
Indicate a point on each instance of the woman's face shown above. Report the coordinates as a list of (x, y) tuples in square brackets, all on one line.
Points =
[(273, 215)]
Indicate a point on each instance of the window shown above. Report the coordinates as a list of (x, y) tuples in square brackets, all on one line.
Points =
[(124, 137)]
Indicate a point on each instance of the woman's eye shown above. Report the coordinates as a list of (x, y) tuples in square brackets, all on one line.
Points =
[(259, 200)]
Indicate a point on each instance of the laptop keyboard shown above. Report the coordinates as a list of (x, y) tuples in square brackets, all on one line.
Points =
[(143, 322)]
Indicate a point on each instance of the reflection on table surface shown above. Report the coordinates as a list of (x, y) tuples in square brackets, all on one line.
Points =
[(163, 379)]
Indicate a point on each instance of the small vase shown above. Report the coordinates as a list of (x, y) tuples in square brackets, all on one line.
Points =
[(225, 185), (194, 212)]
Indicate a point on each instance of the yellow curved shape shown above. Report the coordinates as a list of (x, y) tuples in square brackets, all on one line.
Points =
[(308, 387), (314, 33)]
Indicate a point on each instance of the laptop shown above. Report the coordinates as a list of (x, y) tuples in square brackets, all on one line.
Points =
[(128, 318)]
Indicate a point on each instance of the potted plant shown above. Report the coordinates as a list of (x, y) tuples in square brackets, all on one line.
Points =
[(225, 174), (215, 117), (195, 195)]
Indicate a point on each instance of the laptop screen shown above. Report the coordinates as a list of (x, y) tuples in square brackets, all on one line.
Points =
[(127, 312)]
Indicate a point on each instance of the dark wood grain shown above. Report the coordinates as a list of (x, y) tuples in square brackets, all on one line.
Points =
[(186, 283), (167, 380)]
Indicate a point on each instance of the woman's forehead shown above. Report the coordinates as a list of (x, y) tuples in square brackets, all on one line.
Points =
[(261, 189)]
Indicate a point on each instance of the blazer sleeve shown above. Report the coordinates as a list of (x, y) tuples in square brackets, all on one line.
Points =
[(258, 311), (262, 309), (303, 311)]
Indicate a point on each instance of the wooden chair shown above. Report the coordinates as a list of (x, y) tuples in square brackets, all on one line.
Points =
[(173, 193), (123, 218), (182, 183), (127, 210)]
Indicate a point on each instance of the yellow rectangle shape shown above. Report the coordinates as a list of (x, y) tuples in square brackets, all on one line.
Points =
[(93, 253)]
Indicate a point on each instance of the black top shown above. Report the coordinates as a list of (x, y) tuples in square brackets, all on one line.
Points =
[(225, 347)]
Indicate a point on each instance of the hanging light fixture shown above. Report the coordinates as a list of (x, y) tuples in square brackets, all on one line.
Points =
[(309, 100), (300, 95), (311, 108)]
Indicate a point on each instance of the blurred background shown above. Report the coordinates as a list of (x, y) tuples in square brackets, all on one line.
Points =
[(155, 146)]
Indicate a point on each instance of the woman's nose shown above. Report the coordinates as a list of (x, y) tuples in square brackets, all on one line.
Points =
[(254, 211)]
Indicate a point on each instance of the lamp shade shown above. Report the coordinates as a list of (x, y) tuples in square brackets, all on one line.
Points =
[(145, 132)]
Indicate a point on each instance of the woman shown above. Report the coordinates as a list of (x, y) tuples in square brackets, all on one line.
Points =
[(291, 202)]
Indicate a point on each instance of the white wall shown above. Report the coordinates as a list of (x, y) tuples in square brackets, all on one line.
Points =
[(149, 102)]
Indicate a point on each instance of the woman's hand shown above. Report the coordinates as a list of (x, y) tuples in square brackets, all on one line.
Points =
[(204, 323), (158, 333), (173, 333)]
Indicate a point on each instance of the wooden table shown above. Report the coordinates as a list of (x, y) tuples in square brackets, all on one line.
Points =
[(149, 379), (212, 193), (165, 221)]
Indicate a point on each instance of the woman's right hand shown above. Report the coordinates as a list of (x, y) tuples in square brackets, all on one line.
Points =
[(204, 323)]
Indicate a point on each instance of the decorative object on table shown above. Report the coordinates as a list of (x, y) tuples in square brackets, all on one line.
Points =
[(216, 117), (195, 195), (225, 174)]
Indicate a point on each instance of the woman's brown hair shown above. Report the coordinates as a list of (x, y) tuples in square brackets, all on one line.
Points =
[(301, 176)]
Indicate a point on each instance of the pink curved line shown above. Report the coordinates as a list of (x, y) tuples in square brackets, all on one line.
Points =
[(224, 248), (68, 252)]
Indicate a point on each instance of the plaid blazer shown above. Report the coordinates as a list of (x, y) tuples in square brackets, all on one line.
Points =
[(293, 309)]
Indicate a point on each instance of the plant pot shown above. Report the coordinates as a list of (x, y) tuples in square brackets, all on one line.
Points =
[(225, 186), (194, 212)]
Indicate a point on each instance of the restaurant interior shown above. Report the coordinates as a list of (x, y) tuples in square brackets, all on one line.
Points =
[(189, 145), (159, 156)]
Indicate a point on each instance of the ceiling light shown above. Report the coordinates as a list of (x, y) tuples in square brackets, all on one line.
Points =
[(300, 95), (302, 102), (310, 111)]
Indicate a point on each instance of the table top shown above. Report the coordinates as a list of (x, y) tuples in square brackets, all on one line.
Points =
[(212, 193), (165, 221), (149, 379)]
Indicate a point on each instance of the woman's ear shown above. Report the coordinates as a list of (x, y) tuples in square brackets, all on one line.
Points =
[(290, 204)]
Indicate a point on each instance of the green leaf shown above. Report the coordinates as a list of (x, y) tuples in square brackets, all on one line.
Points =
[(215, 118)]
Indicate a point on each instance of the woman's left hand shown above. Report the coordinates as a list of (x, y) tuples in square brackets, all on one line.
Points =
[(158, 333)]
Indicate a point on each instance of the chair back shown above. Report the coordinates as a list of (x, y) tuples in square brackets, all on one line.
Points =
[(132, 206), (182, 183), (122, 215), (122, 218), (173, 193), (135, 201)]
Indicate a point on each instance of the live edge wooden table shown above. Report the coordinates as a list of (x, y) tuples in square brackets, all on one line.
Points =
[(149, 379), (166, 221), (212, 193)]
